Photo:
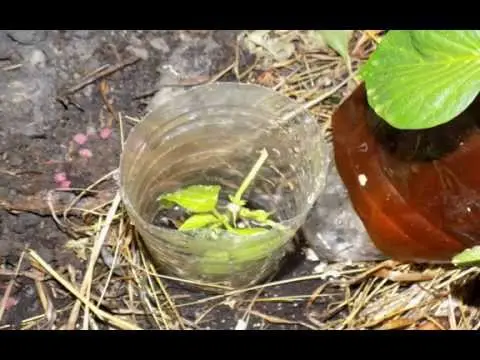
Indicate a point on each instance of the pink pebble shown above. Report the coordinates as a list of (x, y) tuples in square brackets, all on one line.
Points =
[(10, 302), (105, 133), (60, 177), (80, 138), (65, 184), (85, 153)]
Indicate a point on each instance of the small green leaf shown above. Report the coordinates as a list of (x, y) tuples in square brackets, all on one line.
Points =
[(239, 202), (199, 221), (166, 204), (215, 226), (224, 219), (338, 41), (423, 78), (248, 231), (257, 215), (469, 257), (196, 198)]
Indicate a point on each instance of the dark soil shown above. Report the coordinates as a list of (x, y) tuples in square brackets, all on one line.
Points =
[(37, 133)]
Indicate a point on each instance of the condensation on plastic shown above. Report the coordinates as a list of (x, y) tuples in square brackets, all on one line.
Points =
[(212, 134)]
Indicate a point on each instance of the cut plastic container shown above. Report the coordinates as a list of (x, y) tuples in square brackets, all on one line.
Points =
[(213, 135), (333, 229)]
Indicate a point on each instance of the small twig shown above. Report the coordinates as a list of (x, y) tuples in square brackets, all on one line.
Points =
[(221, 74), (435, 322), (122, 324), (385, 264), (199, 319), (177, 279), (365, 299), (53, 213), (86, 284), (251, 175), (20, 172), (316, 294), (103, 87), (249, 309), (9, 288), (182, 83), (85, 191), (318, 100), (285, 79), (42, 295), (27, 274), (360, 42), (187, 83), (12, 67), (96, 71), (339, 307), (47, 305), (110, 272), (168, 298), (278, 320), (373, 36), (249, 69), (8, 172), (64, 98), (452, 321), (153, 295), (252, 288), (122, 131), (397, 312)]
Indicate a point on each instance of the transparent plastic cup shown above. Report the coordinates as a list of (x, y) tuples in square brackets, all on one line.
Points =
[(213, 135)]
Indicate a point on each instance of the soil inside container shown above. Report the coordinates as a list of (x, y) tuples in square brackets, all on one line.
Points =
[(417, 192)]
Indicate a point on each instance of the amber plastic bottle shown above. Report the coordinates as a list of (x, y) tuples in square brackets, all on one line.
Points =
[(417, 192)]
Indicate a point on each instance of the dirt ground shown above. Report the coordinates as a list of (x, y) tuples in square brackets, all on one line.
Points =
[(55, 132)]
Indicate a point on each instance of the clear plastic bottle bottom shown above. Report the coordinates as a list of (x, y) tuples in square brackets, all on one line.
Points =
[(333, 229)]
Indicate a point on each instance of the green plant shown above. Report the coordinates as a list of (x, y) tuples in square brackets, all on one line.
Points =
[(211, 223), (419, 79), (201, 201)]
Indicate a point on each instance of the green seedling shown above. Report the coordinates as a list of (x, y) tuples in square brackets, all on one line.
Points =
[(201, 203)]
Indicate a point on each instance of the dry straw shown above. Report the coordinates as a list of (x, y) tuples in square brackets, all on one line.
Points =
[(121, 289)]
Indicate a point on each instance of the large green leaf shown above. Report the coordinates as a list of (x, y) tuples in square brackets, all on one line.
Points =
[(195, 198), (198, 221), (423, 78)]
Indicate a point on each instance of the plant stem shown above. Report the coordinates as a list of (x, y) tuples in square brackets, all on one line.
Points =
[(222, 219), (251, 175)]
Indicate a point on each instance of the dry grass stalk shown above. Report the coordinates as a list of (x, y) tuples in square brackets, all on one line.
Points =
[(120, 323), (87, 280), (387, 295), (9, 288)]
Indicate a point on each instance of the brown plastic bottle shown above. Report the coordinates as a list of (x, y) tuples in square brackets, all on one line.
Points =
[(417, 192)]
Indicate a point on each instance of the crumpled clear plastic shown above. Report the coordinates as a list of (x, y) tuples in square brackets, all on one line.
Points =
[(333, 229)]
